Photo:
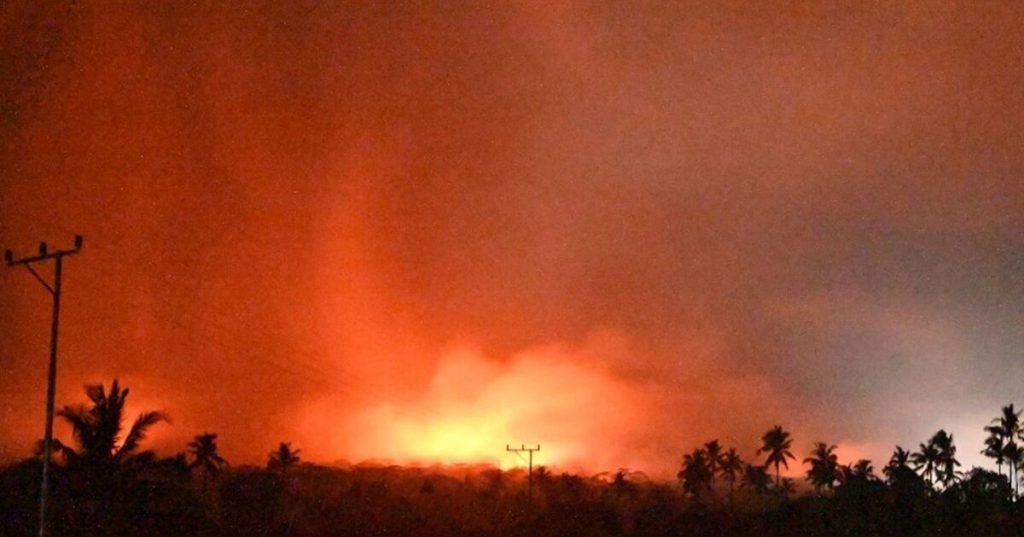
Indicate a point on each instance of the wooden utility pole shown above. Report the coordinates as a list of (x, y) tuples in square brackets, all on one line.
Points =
[(51, 381), (529, 475)]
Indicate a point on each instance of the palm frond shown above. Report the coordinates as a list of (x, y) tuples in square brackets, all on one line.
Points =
[(82, 426), (56, 446), (138, 431), (96, 394)]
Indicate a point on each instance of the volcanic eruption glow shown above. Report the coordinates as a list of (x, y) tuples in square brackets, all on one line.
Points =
[(475, 405), (392, 232)]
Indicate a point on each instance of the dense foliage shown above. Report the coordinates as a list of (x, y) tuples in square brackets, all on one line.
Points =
[(165, 499), (101, 487)]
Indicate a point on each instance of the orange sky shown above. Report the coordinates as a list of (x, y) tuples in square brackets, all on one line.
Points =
[(616, 231)]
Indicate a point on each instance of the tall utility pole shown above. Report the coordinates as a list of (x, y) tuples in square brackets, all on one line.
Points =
[(529, 475), (51, 382)]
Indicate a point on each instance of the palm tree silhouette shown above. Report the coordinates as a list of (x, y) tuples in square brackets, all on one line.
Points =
[(695, 474), (1014, 456), (898, 465), (864, 469), (756, 478), (947, 463), (858, 476), (97, 429), (900, 458), (995, 448), (824, 466), (1008, 427), (926, 461), (283, 457), (777, 443), (205, 458), (1009, 421), (714, 454), (731, 467)]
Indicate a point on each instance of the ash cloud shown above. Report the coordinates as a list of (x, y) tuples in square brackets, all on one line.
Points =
[(804, 217)]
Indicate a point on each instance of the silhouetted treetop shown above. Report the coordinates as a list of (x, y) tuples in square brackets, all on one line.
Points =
[(97, 427)]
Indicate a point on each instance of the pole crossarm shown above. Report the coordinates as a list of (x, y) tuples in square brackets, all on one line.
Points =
[(36, 258), (44, 253)]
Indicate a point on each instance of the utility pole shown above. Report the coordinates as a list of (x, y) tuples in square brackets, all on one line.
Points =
[(529, 475), (51, 383)]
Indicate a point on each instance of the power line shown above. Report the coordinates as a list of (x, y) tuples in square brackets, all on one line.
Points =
[(51, 382)]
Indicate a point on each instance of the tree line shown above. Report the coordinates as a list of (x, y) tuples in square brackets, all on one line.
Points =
[(105, 483), (933, 464), (97, 432)]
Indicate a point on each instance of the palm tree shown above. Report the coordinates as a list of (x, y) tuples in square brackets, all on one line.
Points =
[(946, 469), (898, 465), (695, 474), (283, 457), (756, 479), (1007, 427), (858, 476), (926, 461), (824, 466), (995, 448), (864, 469), (777, 444), (1014, 456), (1009, 421), (714, 453), (97, 429), (731, 467), (205, 458)]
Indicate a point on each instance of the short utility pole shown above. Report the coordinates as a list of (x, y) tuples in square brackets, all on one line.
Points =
[(529, 476)]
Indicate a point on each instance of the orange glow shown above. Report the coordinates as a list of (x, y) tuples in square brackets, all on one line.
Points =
[(453, 439), (474, 406), (296, 219)]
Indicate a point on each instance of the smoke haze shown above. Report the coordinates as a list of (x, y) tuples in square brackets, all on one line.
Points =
[(420, 233)]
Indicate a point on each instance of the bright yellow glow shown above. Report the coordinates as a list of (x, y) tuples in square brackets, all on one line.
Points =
[(455, 439), (475, 406)]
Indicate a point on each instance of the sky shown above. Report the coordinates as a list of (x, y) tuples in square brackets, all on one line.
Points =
[(420, 231)]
